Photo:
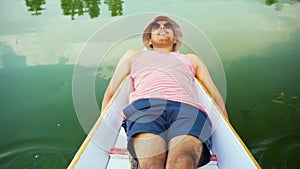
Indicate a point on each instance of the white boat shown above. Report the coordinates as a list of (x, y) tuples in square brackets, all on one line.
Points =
[(104, 146)]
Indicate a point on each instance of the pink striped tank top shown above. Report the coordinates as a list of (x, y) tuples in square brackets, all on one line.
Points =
[(163, 75)]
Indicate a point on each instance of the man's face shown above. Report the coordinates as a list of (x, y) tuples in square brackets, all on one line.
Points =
[(162, 32)]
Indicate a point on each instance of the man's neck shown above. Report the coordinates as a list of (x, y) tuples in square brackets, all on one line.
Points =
[(165, 49)]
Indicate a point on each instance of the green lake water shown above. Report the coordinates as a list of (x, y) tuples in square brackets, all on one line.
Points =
[(40, 40)]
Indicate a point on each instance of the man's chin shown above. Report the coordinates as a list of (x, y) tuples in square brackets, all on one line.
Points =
[(164, 38)]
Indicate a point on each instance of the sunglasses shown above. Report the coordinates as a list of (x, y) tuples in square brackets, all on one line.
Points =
[(157, 25)]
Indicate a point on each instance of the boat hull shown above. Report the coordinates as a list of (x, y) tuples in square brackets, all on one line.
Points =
[(231, 152)]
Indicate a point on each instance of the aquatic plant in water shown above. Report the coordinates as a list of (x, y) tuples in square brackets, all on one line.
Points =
[(290, 101)]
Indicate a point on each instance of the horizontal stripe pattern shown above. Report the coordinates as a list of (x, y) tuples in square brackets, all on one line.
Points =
[(164, 75)]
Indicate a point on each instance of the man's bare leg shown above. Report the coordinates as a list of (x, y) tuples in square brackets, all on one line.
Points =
[(184, 152), (150, 150)]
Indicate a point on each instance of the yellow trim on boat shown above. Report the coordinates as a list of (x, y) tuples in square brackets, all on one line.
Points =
[(94, 129), (86, 142), (231, 127)]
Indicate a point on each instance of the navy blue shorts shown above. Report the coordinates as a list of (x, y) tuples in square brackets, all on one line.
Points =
[(167, 119)]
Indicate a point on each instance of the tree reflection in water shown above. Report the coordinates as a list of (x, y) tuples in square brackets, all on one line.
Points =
[(35, 6), (115, 6), (78, 7), (92, 7), (279, 4)]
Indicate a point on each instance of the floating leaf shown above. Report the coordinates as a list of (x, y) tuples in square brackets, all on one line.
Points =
[(282, 94), (293, 98), (291, 105), (281, 97), (278, 101)]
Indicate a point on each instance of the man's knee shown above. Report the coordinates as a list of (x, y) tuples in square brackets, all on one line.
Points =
[(185, 159), (157, 162), (184, 152)]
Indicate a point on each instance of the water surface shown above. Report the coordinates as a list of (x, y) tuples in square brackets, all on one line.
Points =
[(40, 40)]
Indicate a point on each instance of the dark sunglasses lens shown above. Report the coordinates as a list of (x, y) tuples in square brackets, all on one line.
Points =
[(155, 26), (168, 26)]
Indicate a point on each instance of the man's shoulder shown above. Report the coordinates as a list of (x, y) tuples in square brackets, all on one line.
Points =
[(195, 59), (130, 56), (192, 57), (133, 52)]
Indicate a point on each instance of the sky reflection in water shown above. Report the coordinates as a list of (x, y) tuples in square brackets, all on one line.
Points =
[(257, 41)]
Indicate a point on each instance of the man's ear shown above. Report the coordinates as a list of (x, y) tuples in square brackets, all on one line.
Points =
[(150, 42), (174, 40)]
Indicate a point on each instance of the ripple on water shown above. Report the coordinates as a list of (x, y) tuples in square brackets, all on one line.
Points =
[(279, 153), (35, 155)]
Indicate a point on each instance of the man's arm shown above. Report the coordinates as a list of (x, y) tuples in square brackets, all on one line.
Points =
[(122, 70), (203, 76)]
